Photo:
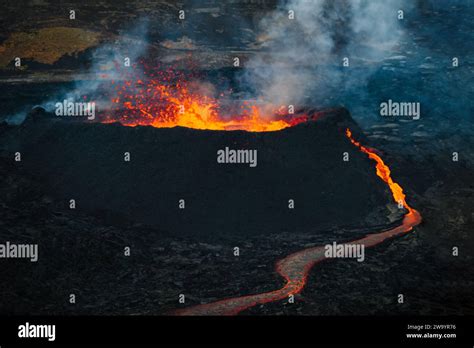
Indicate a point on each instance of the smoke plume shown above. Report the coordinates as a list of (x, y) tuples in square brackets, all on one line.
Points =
[(303, 44)]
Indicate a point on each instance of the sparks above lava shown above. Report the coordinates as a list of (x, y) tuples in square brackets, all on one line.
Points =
[(166, 98)]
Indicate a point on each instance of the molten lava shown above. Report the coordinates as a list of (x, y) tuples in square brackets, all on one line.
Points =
[(383, 171), (162, 100), (295, 267), (166, 98)]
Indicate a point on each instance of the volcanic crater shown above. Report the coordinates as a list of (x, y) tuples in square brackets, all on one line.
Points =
[(174, 183)]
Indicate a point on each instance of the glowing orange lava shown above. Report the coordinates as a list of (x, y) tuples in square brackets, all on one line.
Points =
[(383, 171), (296, 267), (164, 101)]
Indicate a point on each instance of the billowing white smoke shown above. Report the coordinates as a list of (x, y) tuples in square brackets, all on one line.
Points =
[(108, 63), (299, 54)]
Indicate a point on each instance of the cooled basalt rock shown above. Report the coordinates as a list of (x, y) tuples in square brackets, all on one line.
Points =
[(86, 162)]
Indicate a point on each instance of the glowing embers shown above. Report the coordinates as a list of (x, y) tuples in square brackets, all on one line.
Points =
[(167, 98), (164, 107)]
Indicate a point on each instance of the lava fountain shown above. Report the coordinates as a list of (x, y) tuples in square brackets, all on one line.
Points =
[(168, 98), (165, 99)]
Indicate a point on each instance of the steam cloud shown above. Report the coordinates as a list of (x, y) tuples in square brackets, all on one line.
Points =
[(108, 62), (299, 61), (107, 65), (305, 53)]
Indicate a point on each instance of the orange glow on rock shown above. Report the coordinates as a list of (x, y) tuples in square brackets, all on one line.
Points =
[(295, 267), (383, 171), (166, 99)]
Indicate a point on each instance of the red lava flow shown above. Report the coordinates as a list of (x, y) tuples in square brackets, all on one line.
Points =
[(296, 267)]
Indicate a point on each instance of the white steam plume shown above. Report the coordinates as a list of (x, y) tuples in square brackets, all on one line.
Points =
[(300, 55)]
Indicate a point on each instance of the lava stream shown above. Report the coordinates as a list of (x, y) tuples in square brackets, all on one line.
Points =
[(296, 267)]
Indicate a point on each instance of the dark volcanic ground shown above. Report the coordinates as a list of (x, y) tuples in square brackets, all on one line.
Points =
[(135, 204), (83, 252), (85, 162), (419, 265)]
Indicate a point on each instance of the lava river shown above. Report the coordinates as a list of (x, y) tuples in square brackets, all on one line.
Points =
[(295, 267)]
